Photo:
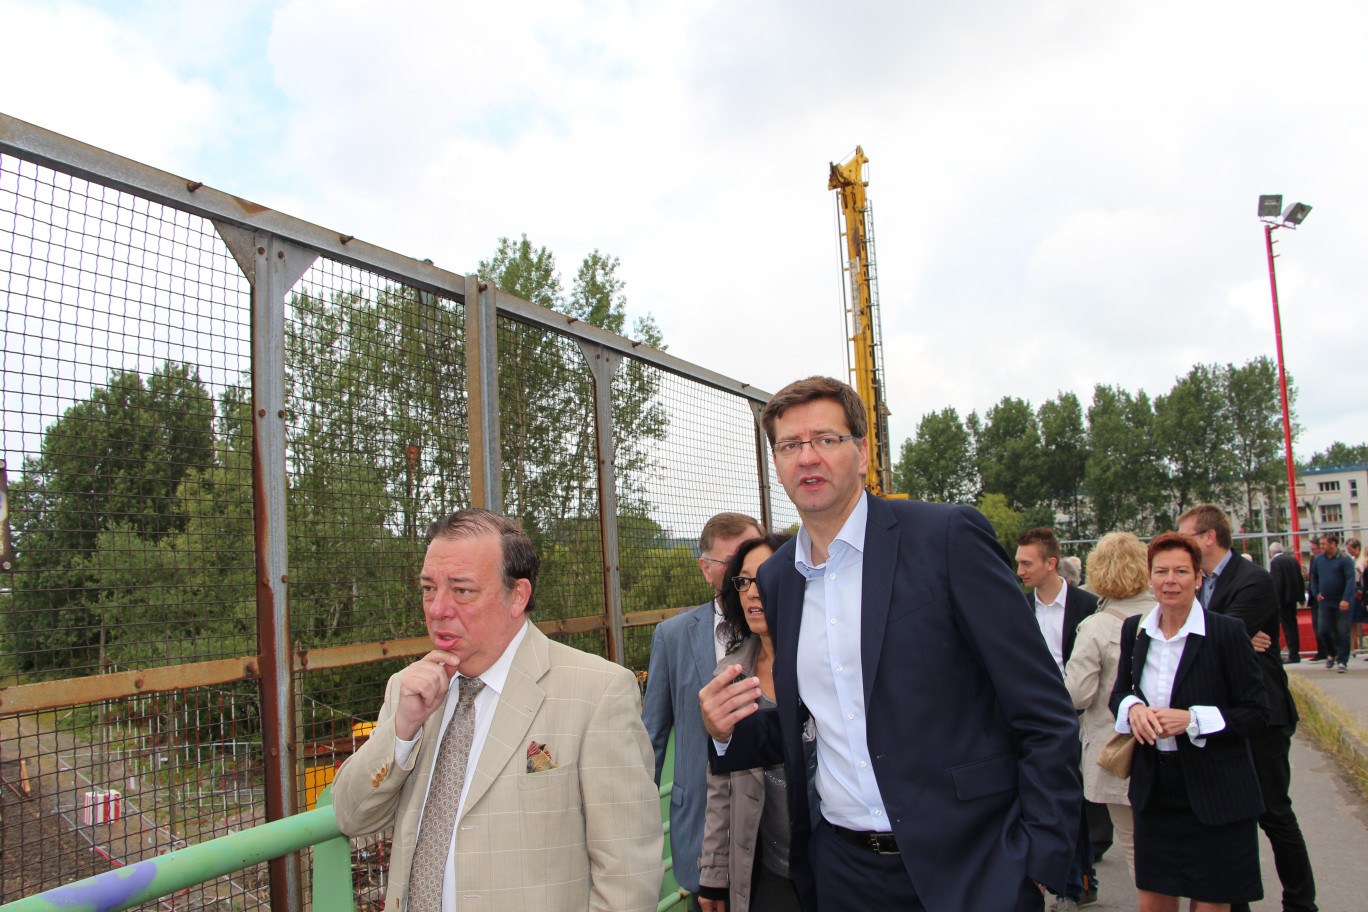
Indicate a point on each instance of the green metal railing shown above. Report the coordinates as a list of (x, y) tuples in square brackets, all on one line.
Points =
[(154, 878)]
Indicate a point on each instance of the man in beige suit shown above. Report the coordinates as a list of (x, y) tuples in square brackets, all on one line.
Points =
[(530, 785)]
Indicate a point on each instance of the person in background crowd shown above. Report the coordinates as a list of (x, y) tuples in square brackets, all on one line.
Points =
[(946, 742), (1193, 786), (1119, 576), (1323, 650), (1059, 608), (1355, 549), (745, 862), (1245, 592), (1332, 579), (1071, 569), (1290, 586), (684, 650)]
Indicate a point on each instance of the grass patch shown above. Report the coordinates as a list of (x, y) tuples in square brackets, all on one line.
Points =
[(1333, 730)]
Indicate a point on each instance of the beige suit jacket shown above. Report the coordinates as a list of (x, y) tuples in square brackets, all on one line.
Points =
[(586, 835)]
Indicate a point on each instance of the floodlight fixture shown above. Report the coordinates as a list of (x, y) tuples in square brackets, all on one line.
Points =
[(1270, 205), (1296, 213)]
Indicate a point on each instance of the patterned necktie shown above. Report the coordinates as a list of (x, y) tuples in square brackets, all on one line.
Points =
[(443, 798)]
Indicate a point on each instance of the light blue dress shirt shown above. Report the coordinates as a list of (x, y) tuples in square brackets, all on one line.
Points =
[(830, 678)]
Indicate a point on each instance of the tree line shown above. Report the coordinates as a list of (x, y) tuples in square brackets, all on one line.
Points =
[(1126, 461), (133, 523)]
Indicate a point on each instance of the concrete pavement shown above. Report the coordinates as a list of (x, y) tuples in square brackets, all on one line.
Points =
[(1333, 817)]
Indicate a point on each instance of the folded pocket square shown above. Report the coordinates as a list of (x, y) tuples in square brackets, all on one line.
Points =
[(539, 758)]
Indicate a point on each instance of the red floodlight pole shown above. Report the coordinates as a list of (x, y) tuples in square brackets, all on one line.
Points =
[(1282, 385)]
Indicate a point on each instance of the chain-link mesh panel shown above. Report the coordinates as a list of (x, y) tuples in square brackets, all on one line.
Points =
[(103, 785), (126, 435), (685, 452), (375, 380), (550, 475)]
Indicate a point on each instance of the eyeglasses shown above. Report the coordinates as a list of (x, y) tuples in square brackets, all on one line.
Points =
[(713, 560), (742, 583), (789, 449)]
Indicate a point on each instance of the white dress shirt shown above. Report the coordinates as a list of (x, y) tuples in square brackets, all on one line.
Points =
[(1050, 617), (1156, 680), (494, 677)]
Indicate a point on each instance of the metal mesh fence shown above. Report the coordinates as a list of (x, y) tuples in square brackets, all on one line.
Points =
[(131, 629)]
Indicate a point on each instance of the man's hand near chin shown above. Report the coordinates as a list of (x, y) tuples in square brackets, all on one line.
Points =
[(422, 689)]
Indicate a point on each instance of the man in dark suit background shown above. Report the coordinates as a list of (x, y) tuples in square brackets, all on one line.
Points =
[(1243, 590), (946, 744), (1059, 608), (684, 652), (1289, 583)]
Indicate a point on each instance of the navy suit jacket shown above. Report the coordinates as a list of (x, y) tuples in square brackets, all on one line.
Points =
[(1078, 605), (682, 661), (973, 737), (1245, 592), (1218, 670)]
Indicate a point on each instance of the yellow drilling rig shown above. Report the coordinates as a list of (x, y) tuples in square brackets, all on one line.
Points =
[(860, 291)]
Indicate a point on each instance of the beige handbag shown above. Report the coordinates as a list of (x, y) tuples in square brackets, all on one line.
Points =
[(1119, 750), (1117, 754)]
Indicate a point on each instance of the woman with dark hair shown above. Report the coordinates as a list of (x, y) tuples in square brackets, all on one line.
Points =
[(744, 864), (1191, 692)]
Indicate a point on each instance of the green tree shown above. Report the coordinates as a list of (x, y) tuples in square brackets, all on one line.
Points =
[(1123, 478), (112, 463), (546, 421), (1256, 428), (1007, 523), (1338, 454), (938, 464), (1009, 455), (1192, 432), (1064, 455)]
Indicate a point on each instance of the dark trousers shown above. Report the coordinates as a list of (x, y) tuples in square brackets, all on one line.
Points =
[(1288, 613), (1279, 823), (854, 879), (1334, 630), (1082, 873)]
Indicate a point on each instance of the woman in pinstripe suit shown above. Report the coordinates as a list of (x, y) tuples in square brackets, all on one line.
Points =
[(1191, 692)]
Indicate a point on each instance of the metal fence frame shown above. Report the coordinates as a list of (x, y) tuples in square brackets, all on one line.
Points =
[(273, 251)]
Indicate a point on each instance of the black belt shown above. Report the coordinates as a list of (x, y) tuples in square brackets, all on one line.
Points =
[(882, 843), (1167, 757)]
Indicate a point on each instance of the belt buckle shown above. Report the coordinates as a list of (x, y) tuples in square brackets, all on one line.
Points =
[(878, 844)]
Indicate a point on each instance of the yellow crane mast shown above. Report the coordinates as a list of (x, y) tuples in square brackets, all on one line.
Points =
[(864, 338)]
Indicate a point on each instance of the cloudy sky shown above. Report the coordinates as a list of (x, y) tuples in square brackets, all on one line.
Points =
[(1065, 192)]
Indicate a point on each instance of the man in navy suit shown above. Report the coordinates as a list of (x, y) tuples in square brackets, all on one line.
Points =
[(1242, 590), (684, 652), (945, 742), (1059, 608)]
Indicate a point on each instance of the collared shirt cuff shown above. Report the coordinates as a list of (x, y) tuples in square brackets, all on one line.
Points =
[(403, 750), (1206, 720), (720, 747), (1123, 713)]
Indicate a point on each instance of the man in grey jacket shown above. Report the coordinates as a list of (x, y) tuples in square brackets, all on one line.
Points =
[(684, 650)]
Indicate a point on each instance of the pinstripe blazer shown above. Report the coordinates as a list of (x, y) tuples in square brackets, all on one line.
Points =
[(585, 835), (1218, 669)]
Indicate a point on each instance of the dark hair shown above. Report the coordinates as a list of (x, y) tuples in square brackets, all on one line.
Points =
[(519, 557), (725, 525), (733, 629), (801, 392), (1172, 541), (1210, 518), (1331, 538), (1044, 537)]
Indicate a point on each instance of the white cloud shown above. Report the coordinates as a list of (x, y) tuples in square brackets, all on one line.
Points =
[(1064, 191)]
